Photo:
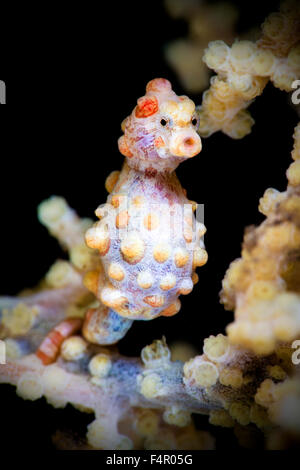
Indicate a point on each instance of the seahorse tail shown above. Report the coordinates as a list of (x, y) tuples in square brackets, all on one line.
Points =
[(103, 325)]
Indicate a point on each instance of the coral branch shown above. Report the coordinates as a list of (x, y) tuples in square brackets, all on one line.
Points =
[(263, 285), (111, 392), (244, 69)]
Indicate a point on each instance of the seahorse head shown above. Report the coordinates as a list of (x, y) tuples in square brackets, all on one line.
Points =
[(161, 130)]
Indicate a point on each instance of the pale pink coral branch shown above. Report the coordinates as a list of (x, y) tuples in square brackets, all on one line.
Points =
[(111, 398)]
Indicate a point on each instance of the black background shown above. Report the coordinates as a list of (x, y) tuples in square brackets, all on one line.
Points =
[(72, 75)]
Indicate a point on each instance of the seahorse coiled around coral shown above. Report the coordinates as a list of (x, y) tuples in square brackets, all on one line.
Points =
[(148, 238)]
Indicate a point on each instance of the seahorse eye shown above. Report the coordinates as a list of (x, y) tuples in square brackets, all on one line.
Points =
[(163, 122), (194, 121)]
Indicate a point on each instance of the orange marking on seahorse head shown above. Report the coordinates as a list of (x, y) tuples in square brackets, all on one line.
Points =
[(147, 106)]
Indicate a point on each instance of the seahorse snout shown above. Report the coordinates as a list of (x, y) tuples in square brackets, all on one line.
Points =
[(185, 144)]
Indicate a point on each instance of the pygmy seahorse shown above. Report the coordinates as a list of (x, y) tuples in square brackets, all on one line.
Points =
[(148, 238)]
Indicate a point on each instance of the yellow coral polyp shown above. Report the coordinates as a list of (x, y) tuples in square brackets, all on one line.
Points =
[(54, 380), (276, 372), (95, 434), (266, 269), (242, 51), (231, 377), (101, 436), (269, 201), (73, 348), (240, 412), (177, 416), (30, 387), (239, 126), (216, 347), (147, 423), (221, 418), (82, 257), (20, 319), (200, 372), (261, 290), (52, 210), (274, 26), (12, 348), (216, 54), (263, 62), (61, 274), (151, 386), (296, 149), (293, 173), (291, 205), (265, 393), (100, 365)]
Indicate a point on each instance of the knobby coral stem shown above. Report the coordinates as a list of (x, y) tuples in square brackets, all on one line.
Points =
[(50, 305), (122, 386), (26, 320), (244, 69)]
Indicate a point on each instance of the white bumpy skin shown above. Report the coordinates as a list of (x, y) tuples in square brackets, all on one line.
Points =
[(148, 238)]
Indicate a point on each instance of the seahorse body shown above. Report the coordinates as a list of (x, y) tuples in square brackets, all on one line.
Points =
[(148, 238)]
